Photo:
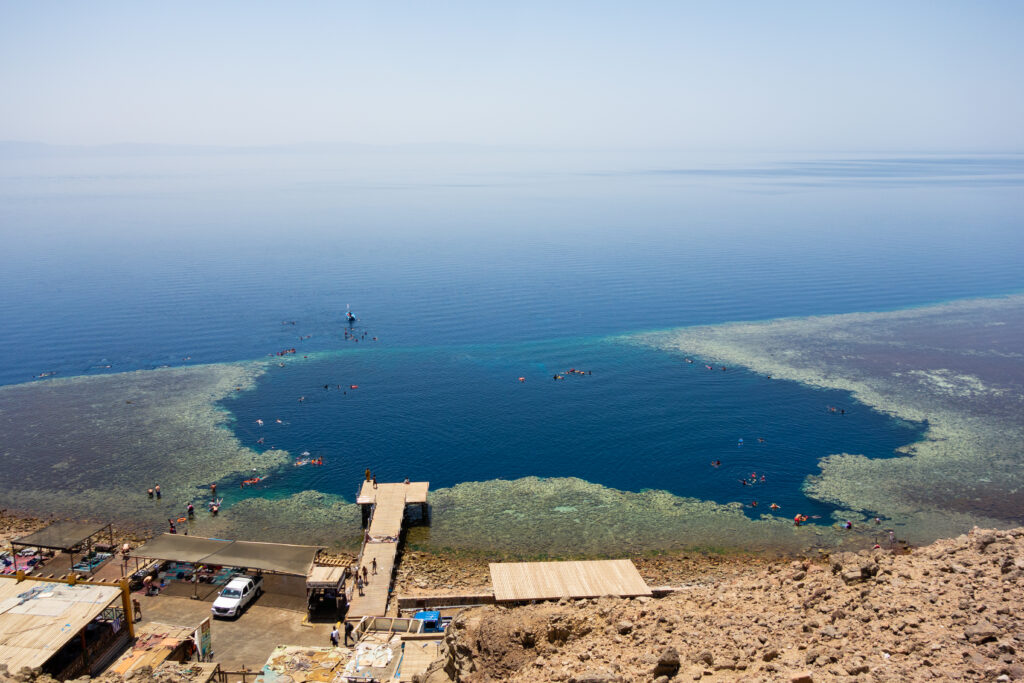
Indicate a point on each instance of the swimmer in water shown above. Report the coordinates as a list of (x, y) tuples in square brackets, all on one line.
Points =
[(774, 506)]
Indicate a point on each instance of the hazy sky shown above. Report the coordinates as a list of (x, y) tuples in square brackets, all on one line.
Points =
[(821, 75)]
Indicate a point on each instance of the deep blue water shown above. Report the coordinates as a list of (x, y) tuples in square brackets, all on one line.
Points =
[(473, 270), (642, 419)]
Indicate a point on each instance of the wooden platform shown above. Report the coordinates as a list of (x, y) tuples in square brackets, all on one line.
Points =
[(374, 601), (516, 581), (389, 501), (415, 491), (417, 656)]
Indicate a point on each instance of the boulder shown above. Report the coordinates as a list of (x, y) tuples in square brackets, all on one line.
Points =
[(668, 663), (595, 676), (981, 632), (852, 576)]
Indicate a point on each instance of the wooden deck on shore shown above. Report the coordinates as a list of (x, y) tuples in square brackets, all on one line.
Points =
[(381, 542), (517, 581)]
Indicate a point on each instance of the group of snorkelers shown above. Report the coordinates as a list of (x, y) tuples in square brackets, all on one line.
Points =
[(570, 371)]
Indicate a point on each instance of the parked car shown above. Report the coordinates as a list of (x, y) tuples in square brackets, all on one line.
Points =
[(234, 597)]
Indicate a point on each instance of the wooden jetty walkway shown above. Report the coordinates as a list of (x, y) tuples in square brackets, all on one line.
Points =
[(384, 515)]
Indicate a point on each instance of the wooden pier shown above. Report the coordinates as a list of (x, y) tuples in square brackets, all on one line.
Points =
[(384, 507)]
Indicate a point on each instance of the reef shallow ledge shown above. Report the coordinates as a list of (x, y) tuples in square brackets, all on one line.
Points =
[(957, 367)]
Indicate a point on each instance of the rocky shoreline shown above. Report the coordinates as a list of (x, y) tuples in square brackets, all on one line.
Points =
[(948, 611)]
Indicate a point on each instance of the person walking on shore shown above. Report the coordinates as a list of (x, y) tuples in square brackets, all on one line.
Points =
[(373, 566), (348, 633), (334, 637), (137, 608), (359, 584), (366, 578)]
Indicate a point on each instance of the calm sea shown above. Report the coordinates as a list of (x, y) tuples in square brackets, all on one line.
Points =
[(472, 268)]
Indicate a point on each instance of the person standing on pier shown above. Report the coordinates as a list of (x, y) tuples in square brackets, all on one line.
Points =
[(373, 566)]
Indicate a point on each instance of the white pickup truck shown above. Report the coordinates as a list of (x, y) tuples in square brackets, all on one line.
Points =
[(239, 592)]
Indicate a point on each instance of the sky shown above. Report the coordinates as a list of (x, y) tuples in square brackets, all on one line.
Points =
[(869, 75)]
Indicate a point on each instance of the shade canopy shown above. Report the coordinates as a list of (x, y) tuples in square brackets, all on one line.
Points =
[(180, 548), (515, 581), (272, 557), (61, 535)]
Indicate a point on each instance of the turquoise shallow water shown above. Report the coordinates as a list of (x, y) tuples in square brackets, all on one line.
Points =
[(485, 271)]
